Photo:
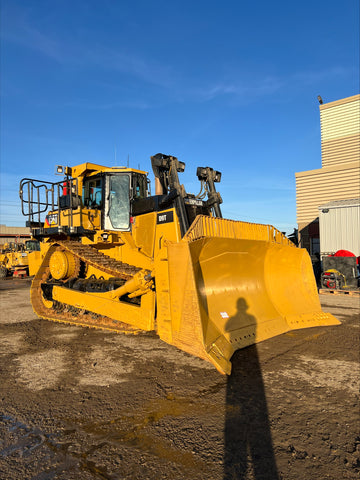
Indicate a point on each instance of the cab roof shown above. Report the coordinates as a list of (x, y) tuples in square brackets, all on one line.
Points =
[(85, 169)]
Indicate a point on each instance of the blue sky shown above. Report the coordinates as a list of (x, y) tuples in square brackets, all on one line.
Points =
[(227, 84)]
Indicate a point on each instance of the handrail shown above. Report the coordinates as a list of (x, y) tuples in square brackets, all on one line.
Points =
[(38, 197)]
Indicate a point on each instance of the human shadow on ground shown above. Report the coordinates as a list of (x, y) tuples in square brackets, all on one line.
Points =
[(248, 444)]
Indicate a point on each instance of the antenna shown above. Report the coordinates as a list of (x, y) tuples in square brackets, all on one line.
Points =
[(128, 160), (115, 154)]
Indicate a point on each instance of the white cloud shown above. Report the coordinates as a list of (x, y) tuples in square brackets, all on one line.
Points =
[(253, 88), (137, 105), (18, 29)]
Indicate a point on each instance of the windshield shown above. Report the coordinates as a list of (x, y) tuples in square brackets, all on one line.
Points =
[(119, 201)]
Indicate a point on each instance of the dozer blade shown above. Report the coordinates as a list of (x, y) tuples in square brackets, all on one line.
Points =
[(229, 293)]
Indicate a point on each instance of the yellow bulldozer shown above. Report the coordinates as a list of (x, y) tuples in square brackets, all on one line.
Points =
[(114, 256)]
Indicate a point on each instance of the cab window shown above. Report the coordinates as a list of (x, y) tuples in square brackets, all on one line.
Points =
[(32, 246), (139, 185), (92, 193)]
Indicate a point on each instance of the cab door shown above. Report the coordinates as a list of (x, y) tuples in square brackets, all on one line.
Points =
[(117, 202)]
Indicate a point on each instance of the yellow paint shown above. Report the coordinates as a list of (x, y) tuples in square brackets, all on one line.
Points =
[(139, 316), (226, 294), (88, 218)]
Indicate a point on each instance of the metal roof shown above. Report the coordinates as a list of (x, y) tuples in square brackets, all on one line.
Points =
[(351, 202)]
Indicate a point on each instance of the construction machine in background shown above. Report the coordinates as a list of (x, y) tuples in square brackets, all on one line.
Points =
[(14, 258), (114, 256)]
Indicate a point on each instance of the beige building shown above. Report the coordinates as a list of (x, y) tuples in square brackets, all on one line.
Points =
[(339, 176), (14, 234)]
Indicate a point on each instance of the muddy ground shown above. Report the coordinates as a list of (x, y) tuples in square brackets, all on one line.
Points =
[(77, 403)]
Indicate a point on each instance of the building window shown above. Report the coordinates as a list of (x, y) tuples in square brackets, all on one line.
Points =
[(314, 245)]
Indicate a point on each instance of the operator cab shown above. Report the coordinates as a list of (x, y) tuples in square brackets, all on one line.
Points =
[(32, 246), (112, 194)]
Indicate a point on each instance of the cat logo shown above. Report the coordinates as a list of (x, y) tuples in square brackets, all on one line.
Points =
[(51, 219)]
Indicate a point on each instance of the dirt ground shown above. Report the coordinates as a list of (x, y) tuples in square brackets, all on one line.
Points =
[(78, 403)]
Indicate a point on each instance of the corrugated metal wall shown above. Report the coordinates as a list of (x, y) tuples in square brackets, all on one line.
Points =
[(316, 187), (340, 131), (339, 177), (341, 150), (340, 230)]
